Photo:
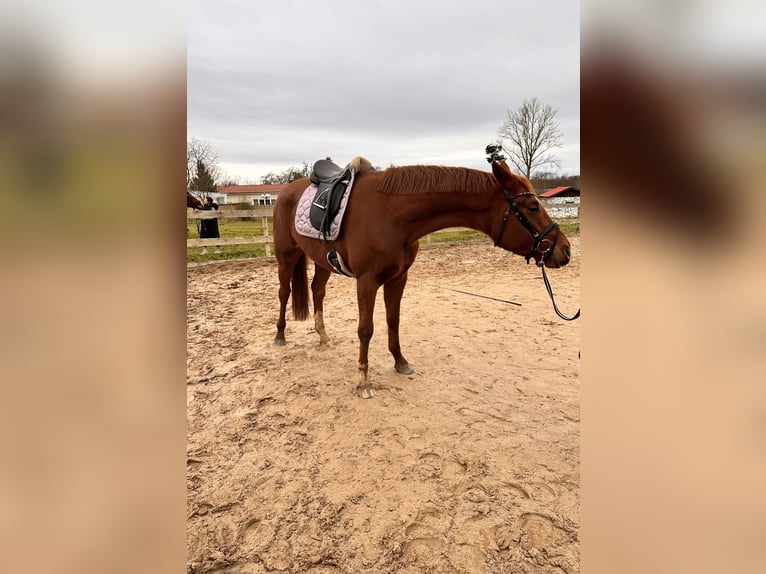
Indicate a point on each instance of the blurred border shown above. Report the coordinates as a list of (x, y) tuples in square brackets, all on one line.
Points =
[(92, 121), (92, 134), (674, 318)]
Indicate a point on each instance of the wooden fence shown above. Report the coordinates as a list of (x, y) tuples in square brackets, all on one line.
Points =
[(264, 213)]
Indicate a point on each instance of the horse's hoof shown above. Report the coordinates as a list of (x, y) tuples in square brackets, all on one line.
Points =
[(326, 342), (279, 342), (364, 392), (404, 369)]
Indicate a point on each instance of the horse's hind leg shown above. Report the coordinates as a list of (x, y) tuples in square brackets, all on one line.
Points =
[(318, 288), (392, 295), (286, 267)]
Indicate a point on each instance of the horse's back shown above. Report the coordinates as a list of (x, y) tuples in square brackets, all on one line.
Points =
[(290, 195)]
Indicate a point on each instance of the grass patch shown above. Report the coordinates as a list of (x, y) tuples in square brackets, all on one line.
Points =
[(570, 226), (457, 235), (194, 254), (229, 228)]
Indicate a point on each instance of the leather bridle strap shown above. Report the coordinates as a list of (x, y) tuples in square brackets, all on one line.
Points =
[(539, 238), (502, 227)]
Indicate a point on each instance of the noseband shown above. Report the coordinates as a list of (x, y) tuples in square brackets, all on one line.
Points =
[(536, 247), (539, 237)]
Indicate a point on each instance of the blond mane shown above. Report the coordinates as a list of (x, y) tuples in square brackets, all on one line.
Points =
[(417, 179)]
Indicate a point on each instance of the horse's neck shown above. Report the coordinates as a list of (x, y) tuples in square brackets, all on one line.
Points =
[(454, 210)]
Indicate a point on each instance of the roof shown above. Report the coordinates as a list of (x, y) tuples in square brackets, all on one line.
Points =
[(559, 190), (252, 188)]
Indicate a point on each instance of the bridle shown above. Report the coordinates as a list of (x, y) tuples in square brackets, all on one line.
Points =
[(539, 245), (539, 237)]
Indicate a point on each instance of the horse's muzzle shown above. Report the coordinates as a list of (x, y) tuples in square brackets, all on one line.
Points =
[(558, 257)]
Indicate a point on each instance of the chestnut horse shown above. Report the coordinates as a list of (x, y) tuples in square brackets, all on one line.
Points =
[(192, 201), (387, 212)]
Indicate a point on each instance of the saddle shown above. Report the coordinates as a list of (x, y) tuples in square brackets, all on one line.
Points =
[(331, 181), (325, 171)]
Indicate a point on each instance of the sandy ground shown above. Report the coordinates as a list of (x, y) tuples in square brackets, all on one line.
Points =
[(471, 464)]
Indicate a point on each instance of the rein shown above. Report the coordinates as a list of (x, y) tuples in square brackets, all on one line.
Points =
[(550, 292), (539, 238)]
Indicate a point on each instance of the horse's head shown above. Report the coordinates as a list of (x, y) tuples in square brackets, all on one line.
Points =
[(192, 201), (526, 227)]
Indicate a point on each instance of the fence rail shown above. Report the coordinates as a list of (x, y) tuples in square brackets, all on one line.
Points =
[(263, 211), (266, 212)]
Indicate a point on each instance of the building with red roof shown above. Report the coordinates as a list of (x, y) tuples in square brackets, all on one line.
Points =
[(255, 194), (561, 201), (564, 191)]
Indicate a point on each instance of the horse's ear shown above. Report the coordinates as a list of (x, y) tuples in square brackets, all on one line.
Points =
[(502, 173)]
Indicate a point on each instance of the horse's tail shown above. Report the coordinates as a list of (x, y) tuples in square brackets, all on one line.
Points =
[(300, 290)]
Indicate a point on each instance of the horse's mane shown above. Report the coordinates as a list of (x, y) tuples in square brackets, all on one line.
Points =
[(417, 179)]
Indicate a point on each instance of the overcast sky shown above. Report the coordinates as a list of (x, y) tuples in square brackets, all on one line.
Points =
[(274, 83)]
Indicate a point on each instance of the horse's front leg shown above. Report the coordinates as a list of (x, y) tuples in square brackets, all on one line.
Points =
[(392, 294), (318, 288), (366, 290)]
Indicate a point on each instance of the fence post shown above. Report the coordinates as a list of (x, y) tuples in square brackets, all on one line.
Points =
[(266, 246), (578, 217)]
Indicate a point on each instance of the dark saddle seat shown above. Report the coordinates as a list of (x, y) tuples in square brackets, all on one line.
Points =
[(325, 171), (331, 181)]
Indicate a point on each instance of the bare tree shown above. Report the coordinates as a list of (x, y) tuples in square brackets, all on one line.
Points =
[(528, 135), (200, 151), (227, 180), (290, 174)]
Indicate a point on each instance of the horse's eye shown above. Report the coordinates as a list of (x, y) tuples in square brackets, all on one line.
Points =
[(534, 208)]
